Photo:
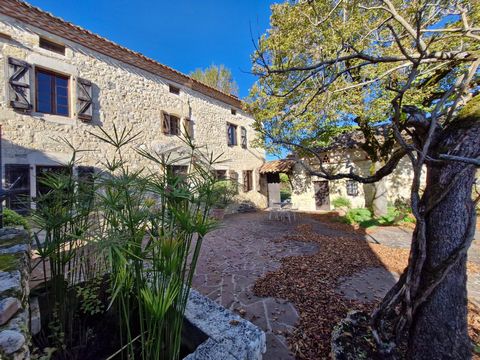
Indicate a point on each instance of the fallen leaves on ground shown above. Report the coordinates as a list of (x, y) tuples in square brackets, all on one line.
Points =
[(310, 281)]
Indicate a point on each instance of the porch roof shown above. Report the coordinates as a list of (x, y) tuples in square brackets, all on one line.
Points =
[(277, 166)]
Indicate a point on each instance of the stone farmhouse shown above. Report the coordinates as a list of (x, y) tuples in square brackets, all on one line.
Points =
[(62, 81), (312, 193)]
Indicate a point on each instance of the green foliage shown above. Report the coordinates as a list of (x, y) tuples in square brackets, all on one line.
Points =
[(314, 81), (365, 219), (8, 262), (217, 76), (341, 202), (88, 294), (12, 218), (144, 228), (358, 216), (224, 192), (285, 194)]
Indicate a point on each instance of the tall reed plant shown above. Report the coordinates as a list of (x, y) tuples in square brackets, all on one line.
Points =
[(154, 221)]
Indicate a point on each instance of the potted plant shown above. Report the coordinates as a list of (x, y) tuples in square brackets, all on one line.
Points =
[(225, 190)]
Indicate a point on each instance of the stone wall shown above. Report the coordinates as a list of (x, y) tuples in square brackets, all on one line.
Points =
[(122, 95), (397, 184), (14, 292)]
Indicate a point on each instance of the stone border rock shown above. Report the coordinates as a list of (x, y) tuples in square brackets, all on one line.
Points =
[(14, 292), (230, 337)]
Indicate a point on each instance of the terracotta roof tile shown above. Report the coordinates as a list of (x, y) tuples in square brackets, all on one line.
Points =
[(34, 16), (282, 166)]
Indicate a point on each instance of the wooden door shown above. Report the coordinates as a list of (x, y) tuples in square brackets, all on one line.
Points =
[(322, 195)]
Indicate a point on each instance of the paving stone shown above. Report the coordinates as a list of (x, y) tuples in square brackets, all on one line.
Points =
[(234, 256), (367, 285), (8, 307)]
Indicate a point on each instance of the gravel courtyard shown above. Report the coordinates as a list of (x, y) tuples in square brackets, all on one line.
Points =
[(294, 280)]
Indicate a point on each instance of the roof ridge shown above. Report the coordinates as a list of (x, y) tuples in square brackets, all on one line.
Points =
[(132, 52)]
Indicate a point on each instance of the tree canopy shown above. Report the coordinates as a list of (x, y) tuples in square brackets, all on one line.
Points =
[(217, 76), (405, 74)]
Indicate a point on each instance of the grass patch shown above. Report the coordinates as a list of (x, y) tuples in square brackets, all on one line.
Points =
[(365, 219)]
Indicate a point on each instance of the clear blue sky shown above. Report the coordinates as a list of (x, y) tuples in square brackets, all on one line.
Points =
[(183, 34)]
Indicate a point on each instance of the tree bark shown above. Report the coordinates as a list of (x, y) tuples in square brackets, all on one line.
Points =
[(439, 328), (377, 200)]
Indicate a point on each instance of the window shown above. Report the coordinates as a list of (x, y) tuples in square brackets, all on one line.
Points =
[(233, 111), (17, 176), (170, 124), (51, 46), (174, 125), (247, 180), (352, 188), (232, 134), (220, 174), (51, 93), (325, 159), (244, 137), (174, 90), (177, 170)]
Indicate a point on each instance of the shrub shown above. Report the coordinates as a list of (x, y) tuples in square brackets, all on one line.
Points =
[(224, 192), (12, 218), (358, 216), (285, 194), (340, 202)]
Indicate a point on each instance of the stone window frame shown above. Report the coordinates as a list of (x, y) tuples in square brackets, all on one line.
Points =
[(185, 125), (55, 63)]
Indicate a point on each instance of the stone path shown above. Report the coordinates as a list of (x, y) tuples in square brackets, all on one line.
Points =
[(375, 282), (234, 257)]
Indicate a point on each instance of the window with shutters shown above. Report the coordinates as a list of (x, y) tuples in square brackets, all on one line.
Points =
[(231, 134), (352, 188), (19, 84), (52, 46), (51, 93), (247, 180), (244, 137), (170, 124)]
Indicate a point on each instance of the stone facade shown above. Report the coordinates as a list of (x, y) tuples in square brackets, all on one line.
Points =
[(122, 94), (397, 184)]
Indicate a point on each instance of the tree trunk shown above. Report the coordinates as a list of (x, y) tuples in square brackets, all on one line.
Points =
[(376, 198), (439, 329)]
